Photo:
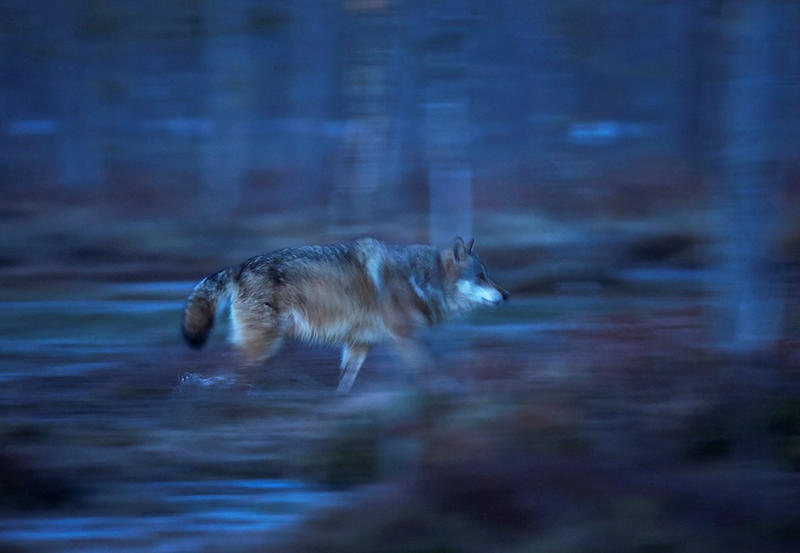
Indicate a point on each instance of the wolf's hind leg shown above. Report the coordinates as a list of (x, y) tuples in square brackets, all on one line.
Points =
[(256, 342), (258, 345), (256, 331), (258, 351), (352, 359)]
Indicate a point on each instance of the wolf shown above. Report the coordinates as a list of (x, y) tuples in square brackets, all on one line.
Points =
[(351, 294)]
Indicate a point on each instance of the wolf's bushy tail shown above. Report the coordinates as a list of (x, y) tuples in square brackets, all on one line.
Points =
[(198, 318)]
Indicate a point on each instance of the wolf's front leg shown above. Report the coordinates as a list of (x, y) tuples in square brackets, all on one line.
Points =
[(352, 359), (418, 362), (428, 377), (415, 355)]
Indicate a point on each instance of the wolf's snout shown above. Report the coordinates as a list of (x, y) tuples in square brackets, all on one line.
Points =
[(504, 293)]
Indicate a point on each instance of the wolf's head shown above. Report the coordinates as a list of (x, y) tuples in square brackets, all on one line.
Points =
[(472, 285)]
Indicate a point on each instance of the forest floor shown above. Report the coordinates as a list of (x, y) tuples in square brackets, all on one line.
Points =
[(594, 412)]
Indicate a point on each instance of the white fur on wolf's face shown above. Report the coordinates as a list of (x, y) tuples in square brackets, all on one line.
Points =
[(479, 294)]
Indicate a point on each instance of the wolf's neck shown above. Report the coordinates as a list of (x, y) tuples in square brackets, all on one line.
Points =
[(426, 278)]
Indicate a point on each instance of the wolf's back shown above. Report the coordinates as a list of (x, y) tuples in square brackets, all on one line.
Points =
[(198, 318)]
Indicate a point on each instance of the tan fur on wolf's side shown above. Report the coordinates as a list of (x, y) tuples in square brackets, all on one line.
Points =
[(353, 294)]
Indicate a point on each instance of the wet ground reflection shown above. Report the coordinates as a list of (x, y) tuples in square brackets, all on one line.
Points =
[(178, 515)]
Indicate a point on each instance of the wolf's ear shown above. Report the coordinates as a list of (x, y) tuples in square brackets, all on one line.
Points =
[(459, 249), (470, 244), (455, 254)]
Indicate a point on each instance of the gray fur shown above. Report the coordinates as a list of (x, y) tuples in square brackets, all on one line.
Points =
[(351, 294)]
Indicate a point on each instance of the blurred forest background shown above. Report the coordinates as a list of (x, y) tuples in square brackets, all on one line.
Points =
[(630, 171)]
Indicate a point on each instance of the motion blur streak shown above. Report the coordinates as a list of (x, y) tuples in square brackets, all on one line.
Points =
[(630, 171)]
